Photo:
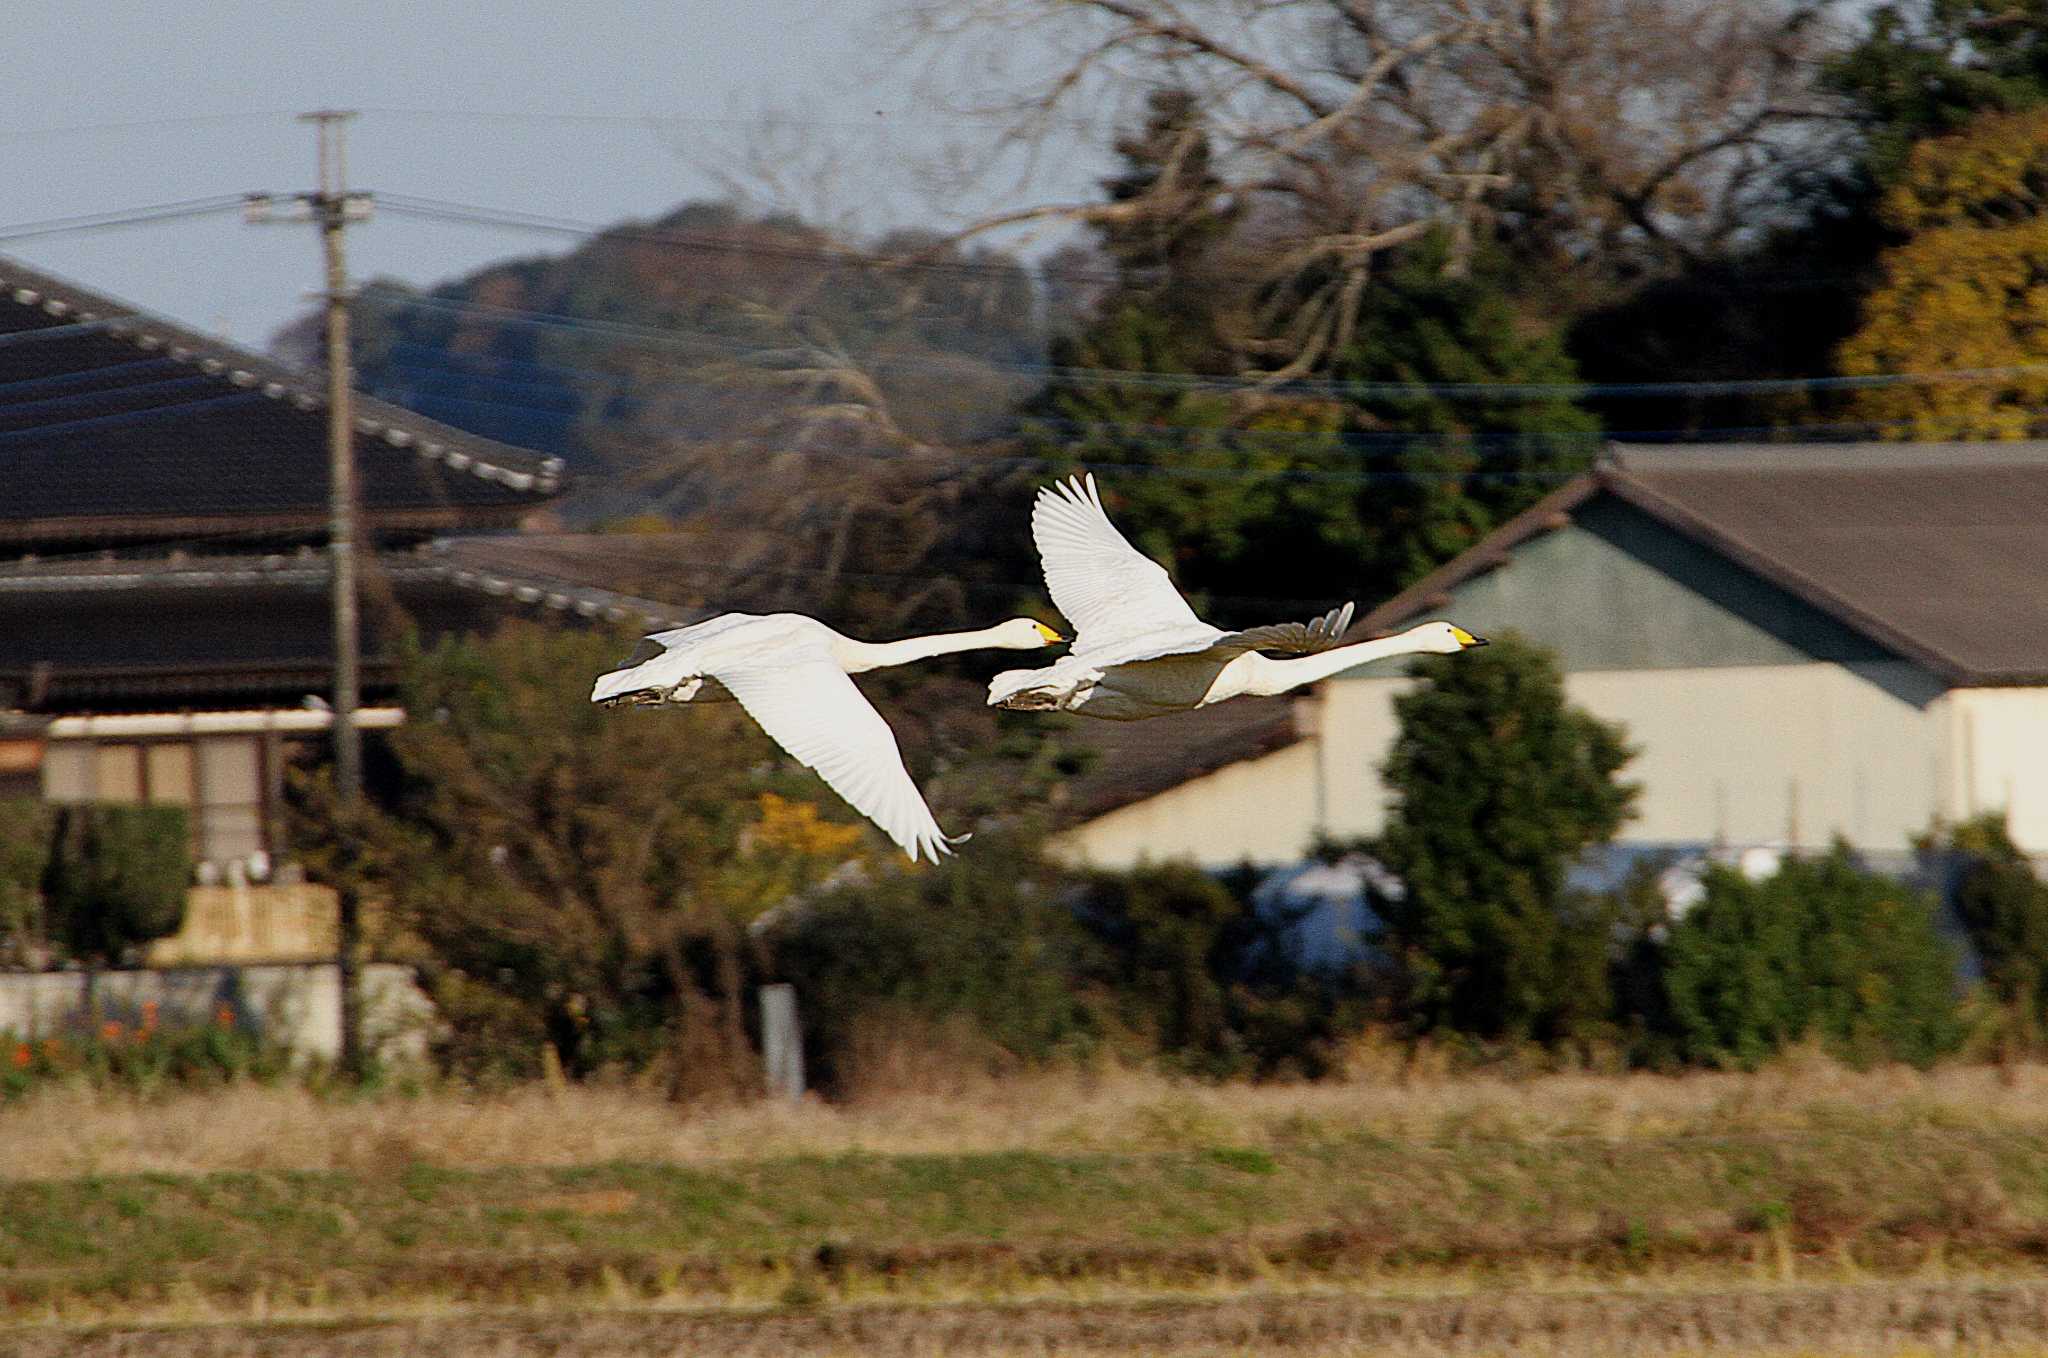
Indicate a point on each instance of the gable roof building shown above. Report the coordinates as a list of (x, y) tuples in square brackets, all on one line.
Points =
[(163, 575), (1803, 641)]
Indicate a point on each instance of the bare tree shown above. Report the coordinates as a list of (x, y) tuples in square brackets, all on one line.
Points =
[(1643, 130)]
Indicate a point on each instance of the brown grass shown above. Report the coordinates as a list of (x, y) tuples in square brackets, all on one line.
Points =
[(1906, 1320), (68, 1132)]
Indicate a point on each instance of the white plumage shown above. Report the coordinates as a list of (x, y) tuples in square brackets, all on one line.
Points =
[(1140, 651), (791, 675)]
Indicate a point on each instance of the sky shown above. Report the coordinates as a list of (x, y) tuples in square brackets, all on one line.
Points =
[(531, 105)]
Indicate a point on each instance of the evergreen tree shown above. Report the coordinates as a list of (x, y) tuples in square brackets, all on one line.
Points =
[(1369, 492), (1499, 786)]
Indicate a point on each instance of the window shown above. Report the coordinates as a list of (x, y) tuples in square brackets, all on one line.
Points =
[(117, 774), (67, 772), (219, 779), (230, 796)]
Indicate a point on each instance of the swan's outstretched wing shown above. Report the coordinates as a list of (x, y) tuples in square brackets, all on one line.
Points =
[(1108, 590), (809, 706)]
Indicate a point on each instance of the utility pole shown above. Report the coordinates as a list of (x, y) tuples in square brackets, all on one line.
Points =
[(332, 207)]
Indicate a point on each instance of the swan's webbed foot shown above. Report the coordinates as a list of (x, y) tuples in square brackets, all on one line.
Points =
[(656, 697)]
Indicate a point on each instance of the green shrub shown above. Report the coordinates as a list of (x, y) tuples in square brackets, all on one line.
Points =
[(1193, 965), (1824, 949), (977, 937), (24, 857), (117, 877), (2004, 907)]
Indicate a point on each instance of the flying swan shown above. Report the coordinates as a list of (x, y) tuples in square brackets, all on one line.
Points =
[(790, 673), (1140, 651)]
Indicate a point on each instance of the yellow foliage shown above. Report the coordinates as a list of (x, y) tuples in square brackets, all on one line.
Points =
[(1968, 292), (794, 828), (1994, 171)]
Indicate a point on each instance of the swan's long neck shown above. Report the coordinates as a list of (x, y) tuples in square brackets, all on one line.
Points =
[(860, 656), (1278, 676)]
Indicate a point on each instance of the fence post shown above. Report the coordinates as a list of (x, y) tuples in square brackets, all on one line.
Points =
[(782, 1045)]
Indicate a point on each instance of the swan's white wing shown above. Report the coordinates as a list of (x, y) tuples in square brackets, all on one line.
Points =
[(811, 708), (1107, 589)]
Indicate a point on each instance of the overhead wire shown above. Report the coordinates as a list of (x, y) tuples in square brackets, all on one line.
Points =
[(104, 221), (681, 337)]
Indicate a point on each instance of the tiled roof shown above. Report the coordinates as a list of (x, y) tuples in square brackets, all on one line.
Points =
[(115, 425), (114, 632)]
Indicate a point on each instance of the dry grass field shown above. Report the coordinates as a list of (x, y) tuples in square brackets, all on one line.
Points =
[(66, 1133), (1405, 1210)]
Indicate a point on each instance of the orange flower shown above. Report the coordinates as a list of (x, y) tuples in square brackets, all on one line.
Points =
[(110, 1030), (224, 1014), (22, 1055), (148, 1015)]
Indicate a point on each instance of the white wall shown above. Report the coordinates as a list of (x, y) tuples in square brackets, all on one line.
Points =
[(1748, 754), (2000, 739), (298, 1005), (1261, 809)]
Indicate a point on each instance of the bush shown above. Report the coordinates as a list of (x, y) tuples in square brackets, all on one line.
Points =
[(1822, 949), (2004, 908), (117, 877), (977, 937), (1499, 787), (24, 858), (1196, 968)]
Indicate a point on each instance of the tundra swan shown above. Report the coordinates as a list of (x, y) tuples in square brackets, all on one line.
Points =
[(791, 675), (1140, 651)]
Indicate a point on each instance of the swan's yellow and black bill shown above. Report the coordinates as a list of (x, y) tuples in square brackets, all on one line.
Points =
[(1051, 637), (1465, 638)]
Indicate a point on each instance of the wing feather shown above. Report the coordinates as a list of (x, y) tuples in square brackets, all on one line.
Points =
[(1107, 589), (1298, 638), (810, 707)]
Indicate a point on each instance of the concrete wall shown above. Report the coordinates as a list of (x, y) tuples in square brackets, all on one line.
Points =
[(298, 1005), (245, 922)]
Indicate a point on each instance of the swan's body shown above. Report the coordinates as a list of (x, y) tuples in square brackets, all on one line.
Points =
[(1140, 651), (790, 673)]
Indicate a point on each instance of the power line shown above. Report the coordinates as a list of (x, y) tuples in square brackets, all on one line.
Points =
[(1393, 442), (879, 120), (680, 337), (103, 221), (139, 124)]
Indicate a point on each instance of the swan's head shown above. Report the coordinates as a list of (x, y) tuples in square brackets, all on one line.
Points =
[(1443, 638), (1025, 634)]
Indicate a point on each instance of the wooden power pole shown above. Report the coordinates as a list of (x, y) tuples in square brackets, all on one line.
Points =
[(332, 208)]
